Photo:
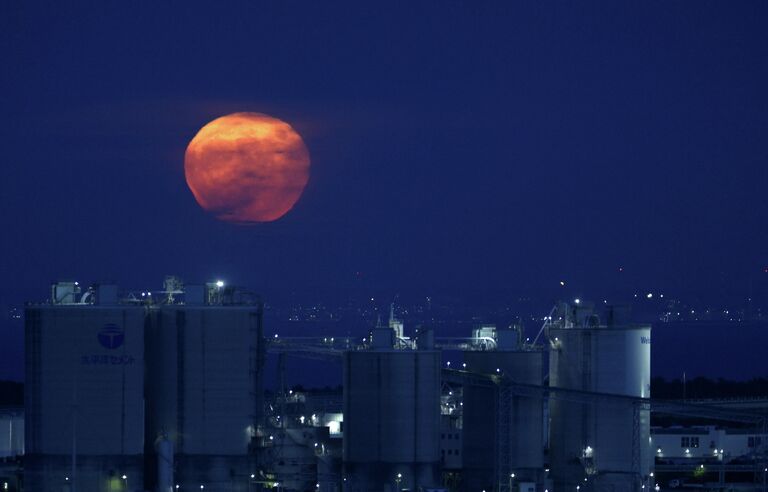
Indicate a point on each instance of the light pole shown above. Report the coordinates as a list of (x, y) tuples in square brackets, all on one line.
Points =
[(125, 481), (398, 479), (511, 478)]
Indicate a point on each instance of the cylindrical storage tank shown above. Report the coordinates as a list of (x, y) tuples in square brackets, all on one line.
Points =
[(604, 439), (526, 448), (84, 397), (391, 419), (202, 393), (11, 432)]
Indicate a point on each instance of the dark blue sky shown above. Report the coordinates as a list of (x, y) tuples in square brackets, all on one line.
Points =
[(457, 145)]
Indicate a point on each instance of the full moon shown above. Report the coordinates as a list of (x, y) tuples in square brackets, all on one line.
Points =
[(247, 168)]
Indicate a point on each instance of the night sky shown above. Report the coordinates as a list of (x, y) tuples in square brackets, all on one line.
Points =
[(462, 146)]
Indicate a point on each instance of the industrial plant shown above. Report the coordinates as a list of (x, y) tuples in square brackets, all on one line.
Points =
[(164, 390)]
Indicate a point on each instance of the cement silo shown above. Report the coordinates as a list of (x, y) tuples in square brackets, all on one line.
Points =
[(203, 393), (525, 457), (84, 426), (483, 455), (391, 417), (602, 439)]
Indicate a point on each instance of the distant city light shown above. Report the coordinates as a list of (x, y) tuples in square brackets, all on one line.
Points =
[(562, 283), (577, 301)]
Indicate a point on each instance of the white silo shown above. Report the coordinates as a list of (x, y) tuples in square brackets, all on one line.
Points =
[(603, 439), (84, 403)]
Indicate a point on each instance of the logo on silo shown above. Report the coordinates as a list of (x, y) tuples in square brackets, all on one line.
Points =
[(111, 336)]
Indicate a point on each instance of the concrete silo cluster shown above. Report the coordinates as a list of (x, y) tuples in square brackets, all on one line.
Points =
[(127, 393)]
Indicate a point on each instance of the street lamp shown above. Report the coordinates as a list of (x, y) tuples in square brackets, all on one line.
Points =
[(398, 479), (125, 479)]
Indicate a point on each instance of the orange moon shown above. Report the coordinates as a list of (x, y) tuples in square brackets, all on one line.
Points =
[(247, 168)]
